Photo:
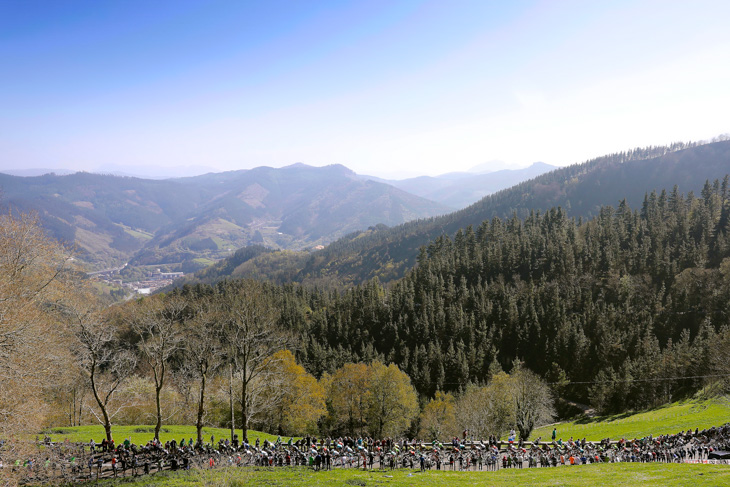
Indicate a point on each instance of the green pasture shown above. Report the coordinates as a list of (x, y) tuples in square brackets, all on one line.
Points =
[(616, 474), (668, 419)]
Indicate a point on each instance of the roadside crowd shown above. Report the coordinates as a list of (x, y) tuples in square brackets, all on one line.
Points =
[(73, 462)]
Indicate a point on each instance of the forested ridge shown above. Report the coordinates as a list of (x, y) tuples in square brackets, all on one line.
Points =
[(608, 309), (580, 189)]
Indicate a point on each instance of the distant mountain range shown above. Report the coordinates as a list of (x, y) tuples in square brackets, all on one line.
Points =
[(36, 171), (581, 189), (144, 172), (460, 189), (190, 222), (114, 219)]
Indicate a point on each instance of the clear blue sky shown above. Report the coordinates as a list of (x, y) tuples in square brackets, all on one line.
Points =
[(390, 88)]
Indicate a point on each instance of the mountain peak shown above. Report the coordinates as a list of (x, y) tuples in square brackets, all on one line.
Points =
[(541, 165), (337, 169), (297, 165)]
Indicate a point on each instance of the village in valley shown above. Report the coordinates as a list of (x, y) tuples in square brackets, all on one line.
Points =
[(152, 282)]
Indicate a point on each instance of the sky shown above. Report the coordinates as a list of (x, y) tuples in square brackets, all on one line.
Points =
[(387, 88)]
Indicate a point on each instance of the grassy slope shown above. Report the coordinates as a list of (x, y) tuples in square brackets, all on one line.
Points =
[(667, 419), (142, 434), (604, 474)]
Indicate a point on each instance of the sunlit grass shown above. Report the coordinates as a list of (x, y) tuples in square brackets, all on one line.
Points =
[(617, 474), (668, 419)]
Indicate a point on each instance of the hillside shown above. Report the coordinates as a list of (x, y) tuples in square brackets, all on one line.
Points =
[(625, 310), (581, 190), (114, 219), (459, 190)]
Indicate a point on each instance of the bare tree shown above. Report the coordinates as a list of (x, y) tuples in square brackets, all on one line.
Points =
[(202, 350), (106, 363), (33, 273), (533, 401), (251, 337), (487, 410), (157, 322)]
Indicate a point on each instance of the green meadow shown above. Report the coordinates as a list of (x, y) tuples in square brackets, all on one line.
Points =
[(668, 419), (617, 474)]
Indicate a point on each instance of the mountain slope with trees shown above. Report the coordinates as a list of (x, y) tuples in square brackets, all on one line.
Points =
[(580, 190), (625, 310)]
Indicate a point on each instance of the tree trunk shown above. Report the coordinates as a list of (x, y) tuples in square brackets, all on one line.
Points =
[(102, 405), (108, 430), (233, 412), (201, 408), (72, 418), (81, 409), (158, 426), (244, 411)]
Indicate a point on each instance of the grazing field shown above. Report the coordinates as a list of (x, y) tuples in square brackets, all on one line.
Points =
[(617, 474), (669, 419), (141, 434)]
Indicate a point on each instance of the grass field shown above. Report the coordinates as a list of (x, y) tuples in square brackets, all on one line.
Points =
[(140, 434), (664, 420), (617, 474), (668, 419)]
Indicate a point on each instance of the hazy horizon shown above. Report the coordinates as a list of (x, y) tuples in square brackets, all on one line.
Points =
[(162, 172), (388, 89)]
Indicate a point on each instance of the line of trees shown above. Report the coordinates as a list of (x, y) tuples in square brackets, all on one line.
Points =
[(176, 344), (211, 355)]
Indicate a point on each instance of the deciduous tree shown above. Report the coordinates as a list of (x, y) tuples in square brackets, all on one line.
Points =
[(349, 391), (301, 398), (393, 402), (438, 418), (533, 401), (158, 325), (34, 274), (487, 410), (102, 356), (202, 349), (251, 336)]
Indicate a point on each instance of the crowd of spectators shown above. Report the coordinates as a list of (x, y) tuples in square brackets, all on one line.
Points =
[(74, 462)]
